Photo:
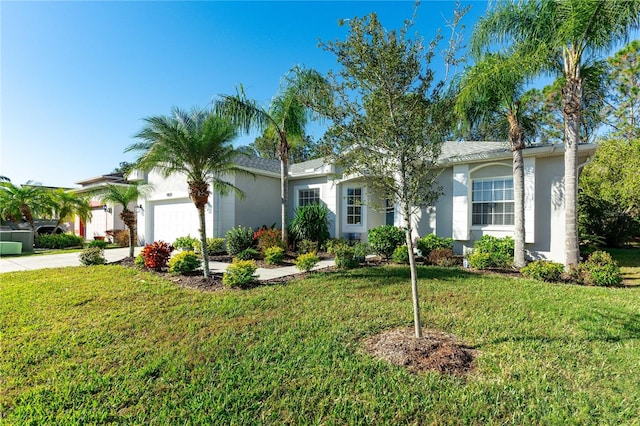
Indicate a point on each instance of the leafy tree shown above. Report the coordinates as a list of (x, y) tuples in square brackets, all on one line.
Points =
[(124, 195), (266, 146), (198, 144), (66, 204), (23, 202), (388, 118), (623, 102), (493, 88), (125, 167), (283, 120), (564, 37)]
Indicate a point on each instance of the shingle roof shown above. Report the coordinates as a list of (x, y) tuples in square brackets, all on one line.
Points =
[(307, 166), (453, 150), (257, 163)]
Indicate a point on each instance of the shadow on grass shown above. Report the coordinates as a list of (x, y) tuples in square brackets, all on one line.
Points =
[(387, 275)]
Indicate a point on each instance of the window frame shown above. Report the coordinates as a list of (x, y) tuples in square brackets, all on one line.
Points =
[(497, 201), (359, 206)]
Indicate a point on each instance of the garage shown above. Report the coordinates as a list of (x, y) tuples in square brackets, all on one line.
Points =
[(175, 219)]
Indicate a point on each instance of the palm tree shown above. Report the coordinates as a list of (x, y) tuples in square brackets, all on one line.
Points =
[(492, 90), (25, 202), (124, 195), (562, 37), (66, 204), (197, 144), (285, 120)]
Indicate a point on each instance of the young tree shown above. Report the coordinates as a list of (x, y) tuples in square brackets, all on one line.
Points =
[(124, 195), (23, 202), (197, 144), (623, 102), (65, 205), (495, 86), (388, 119), (284, 120), (563, 37)]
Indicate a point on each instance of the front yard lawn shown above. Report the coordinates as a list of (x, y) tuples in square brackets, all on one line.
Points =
[(112, 344)]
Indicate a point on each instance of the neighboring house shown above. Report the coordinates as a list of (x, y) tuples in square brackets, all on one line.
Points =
[(104, 219), (476, 178)]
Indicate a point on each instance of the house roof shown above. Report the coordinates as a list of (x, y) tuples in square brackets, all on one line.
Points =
[(110, 177), (260, 164), (307, 166), (452, 150)]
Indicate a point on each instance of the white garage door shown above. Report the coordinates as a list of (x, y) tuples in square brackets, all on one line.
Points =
[(174, 220)]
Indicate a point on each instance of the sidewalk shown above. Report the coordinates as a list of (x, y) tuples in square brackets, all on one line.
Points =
[(28, 263)]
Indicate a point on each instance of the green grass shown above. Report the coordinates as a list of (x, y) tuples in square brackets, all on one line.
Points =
[(110, 344), (629, 261)]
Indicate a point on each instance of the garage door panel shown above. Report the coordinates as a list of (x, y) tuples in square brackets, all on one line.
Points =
[(174, 220)]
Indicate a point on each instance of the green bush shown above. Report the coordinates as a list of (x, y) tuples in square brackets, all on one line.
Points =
[(239, 239), (307, 246), (139, 261), (305, 262), (214, 246), (431, 242), (186, 243), (248, 254), (273, 255), (384, 239), (400, 254), (492, 252), (92, 256), (98, 243), (543, 270), (344, 254), (599, 269), (58, 241), (184, 262), (443, 257), (360, 251), (239, 273), (311, 222)]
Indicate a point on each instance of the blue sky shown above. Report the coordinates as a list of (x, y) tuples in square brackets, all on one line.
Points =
[(77, 78)]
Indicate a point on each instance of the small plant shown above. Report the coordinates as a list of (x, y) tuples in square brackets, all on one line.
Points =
[(98, 243), (121, 237), (185, 243), (306, 262), (58, 241), (184, 262), (239, 273), (443, 257), (490, 251), (156, 255), (248, 254), (139, 261), (311, 222), (400, 254), (307, 246), (599, 269), (360, 251), (214, 246), (431, 242), (384, 239), (92, 256), (268, 237), (543, 270), (273, 255), (239, 239)]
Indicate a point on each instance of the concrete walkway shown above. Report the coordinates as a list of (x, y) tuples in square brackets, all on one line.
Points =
[(42, 261)]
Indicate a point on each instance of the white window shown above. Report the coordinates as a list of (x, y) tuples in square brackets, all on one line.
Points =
[(308, 196), (354, 206), (492, 201)]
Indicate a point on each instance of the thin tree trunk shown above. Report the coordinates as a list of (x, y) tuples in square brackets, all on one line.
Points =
[(572, 112), (203, 243), (518, 214), (414, 273), (132, 238), (284, 172)]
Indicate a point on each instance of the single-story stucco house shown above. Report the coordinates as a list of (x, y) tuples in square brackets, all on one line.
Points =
[(478, 199)]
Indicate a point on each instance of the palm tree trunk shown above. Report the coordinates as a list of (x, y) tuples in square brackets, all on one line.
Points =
[(572, 112), (203, 242), (414, 272), (283, 153), (516, 140)]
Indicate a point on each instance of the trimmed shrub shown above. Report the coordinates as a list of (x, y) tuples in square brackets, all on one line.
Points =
[(599, 269), (239, 273), (98, 243), (311, 222), (268, 237), (92, 256), (384, 239), (273, 255), (214, 246), (443, 257), (401, 254), (184, 262), (156, 255), (490, 251), (543, 270), (58, 241), (431, 242), (307, 246), (344, 254), (186, 243), (305, 262), (139, 261), (360, 251), (239, 239), (248, 254)]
